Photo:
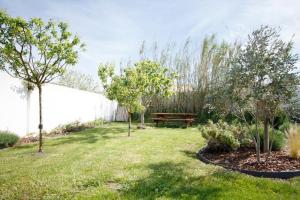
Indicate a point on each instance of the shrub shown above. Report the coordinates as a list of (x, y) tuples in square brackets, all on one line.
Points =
[(284, 126), (281, 121), (277, 139), (219, 136), (8, 139), (208, 114), (240, 133), (293, 141)]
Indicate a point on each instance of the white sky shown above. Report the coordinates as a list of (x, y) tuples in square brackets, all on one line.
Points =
[(113, 30)]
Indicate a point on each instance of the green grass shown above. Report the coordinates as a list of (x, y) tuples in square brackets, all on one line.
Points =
[(103, 163)]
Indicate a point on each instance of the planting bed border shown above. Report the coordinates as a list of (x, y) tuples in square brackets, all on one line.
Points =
[(264, 174)]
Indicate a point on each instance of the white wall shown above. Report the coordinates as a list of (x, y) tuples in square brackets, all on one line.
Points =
[(61, 105)]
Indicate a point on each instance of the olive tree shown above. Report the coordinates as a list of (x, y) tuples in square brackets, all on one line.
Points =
[(124, 88), (156, 80), (268, 72), (261, 80), (36, 51)]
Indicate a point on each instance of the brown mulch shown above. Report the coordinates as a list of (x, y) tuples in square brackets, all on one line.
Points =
[(67, 131), (35, 138), (246, 159), (28, 139)]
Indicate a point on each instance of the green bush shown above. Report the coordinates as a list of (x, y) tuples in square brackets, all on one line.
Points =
[(284, 126), (277, 138), (220, 136), (208, 114), (281, 121), (8, 139)]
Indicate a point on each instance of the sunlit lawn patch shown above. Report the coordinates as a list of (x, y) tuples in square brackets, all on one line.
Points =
[(103, 163)]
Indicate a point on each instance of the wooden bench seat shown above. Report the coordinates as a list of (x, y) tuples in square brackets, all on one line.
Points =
[(187, 118), (171, 119)]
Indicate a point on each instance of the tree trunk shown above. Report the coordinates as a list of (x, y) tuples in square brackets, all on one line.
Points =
[(257, 145), (272, 136), (266, 135), (41, 119), (257, 137), (129, 123), (142, 119)]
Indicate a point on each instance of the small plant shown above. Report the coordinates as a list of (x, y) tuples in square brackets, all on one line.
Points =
[(293, 141), (95, 123), (219, 136), (8, 139)]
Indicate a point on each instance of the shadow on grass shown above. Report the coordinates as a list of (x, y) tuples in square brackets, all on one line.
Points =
[(90, 136), (25, 146), (189, 153), (170, 180)]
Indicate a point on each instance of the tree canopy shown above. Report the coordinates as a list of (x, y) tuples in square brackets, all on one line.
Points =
[(156, 80), (36, 51)]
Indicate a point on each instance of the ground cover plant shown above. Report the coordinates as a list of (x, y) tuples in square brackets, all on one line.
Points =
[(103, 163)]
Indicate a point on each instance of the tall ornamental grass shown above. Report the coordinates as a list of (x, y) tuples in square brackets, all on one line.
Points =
[(293, 141)]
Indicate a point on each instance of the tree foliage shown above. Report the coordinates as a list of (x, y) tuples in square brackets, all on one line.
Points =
[(156, 81), (124, 88), (36, 51), (135, 88), (75, 79)]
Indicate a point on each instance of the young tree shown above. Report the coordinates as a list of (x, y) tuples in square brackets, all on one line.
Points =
[(125, 89), (268, 72), (155, 80), (36, 52), (229, 97)]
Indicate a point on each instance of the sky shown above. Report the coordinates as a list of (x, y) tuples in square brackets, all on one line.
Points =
[(113, 30)]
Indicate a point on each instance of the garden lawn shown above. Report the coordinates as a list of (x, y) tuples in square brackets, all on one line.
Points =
[(103, 163)]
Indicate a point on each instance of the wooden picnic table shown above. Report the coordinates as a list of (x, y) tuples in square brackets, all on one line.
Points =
[(187, 118)]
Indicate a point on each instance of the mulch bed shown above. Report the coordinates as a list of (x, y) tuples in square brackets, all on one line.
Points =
[(35, 138), (28, 139), (246, 159)]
